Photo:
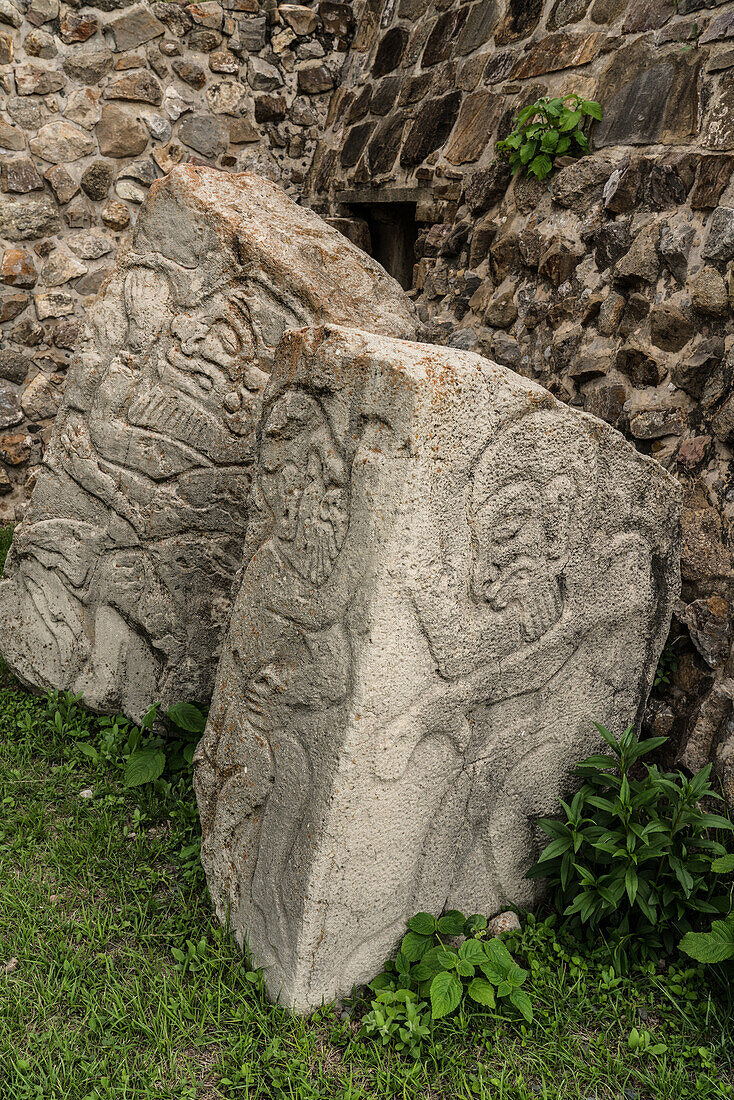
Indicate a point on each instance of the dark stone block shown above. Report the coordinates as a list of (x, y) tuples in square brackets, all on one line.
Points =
[(270, 108), (415, 88), (337, 19), (432, 125), (566, 12), (390, 51), (386, 95), (480, 22), (475, 127), (612, 242), (557, 51), (648, 98), (440, 44), (521, 17), (487, 186), (386, 143), (719, 131), (634, 116), (712, 176), (361, 105), (354, 144), (648, 15), (500, 65), (664, 186)]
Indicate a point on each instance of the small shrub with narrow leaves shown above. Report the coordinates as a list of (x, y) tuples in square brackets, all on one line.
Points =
[(545, 130), (632, 854)]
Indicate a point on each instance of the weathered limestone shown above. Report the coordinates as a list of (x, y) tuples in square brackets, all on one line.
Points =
[(448, 575), (119, 579)]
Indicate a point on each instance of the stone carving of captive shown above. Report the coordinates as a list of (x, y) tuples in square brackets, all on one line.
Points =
[(118, 583), (448, 575)]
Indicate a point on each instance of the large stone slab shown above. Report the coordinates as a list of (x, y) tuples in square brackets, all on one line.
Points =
[(448, 576), (118, 583)]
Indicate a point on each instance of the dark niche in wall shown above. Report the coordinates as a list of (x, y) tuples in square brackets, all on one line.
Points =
[(393, 233)]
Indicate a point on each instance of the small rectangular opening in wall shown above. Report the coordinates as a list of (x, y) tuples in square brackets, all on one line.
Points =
[(393, 233)]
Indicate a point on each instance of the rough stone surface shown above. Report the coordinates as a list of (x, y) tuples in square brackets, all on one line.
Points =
[(449, 571), (119, 579)]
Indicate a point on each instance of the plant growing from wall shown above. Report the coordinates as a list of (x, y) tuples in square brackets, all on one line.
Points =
[(547, 129), (633, 854)]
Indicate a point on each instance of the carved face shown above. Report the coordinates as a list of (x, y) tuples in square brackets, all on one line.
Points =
[(520, 536), (302, 480)]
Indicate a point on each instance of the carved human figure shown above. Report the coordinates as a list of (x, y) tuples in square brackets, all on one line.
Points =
[(288, 655), (408, 678), (148, 471)]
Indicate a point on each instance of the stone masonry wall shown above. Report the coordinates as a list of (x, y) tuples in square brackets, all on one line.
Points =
[(612, 283), (97, 101)]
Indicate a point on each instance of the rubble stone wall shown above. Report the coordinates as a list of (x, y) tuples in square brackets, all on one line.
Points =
[(96, 102), (611, 283)]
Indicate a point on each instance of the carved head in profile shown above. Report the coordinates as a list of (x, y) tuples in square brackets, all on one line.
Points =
[(302, 483), (533, 491)]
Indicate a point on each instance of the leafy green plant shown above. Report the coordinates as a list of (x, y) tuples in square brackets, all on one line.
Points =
[(479, 970), (716, 945), (667, 664), (547, 129), (400, 1019), (640, 1042), (633, 856), (149, 755)]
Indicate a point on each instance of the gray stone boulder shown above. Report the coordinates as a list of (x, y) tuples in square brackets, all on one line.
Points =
[(118, 584), (448, 576)]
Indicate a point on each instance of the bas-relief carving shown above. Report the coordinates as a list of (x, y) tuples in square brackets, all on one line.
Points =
[(386, 728), (120, 577)]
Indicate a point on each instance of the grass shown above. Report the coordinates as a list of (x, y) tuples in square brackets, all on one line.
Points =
[(6, 537), (97, 892), (116, 981)]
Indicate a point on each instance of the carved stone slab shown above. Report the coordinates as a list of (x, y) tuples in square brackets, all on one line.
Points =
[(448, 576), (118, 584)]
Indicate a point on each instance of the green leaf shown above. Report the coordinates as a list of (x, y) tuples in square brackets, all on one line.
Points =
[(187, 717), (472, 951), (541, 166), (88, 750), (592, 108), (414, 946), (422, 923), (527, 151), (446, 990), (580, 140), (711, 947), (549, 141), (143, 766), (464, 969), (150, 716), (714, 821), (482, 991), (570, 121), (724, 864), (447, 958), (630, 882), (522, 1003), (555, 848), (562, 146), (451, 923), (475, 923)]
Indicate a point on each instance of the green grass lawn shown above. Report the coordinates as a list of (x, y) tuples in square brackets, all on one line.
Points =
[(102, 897)]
